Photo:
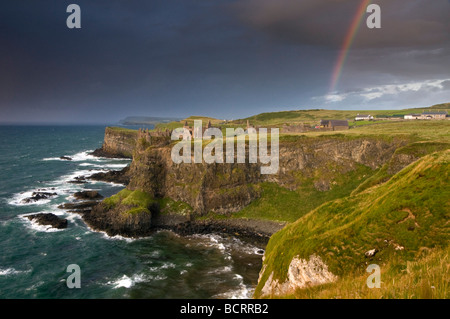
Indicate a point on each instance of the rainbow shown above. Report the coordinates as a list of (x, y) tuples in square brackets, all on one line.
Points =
[(348, 41)]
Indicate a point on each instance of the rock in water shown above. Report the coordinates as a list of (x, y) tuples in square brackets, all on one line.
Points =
[(66, 158), (38, 196), (78, 180), (79, 205), (49, 219), (120, 177), (84, 195)]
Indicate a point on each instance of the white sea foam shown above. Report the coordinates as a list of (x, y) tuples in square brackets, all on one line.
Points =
[(83, 157), (116, 237), (127, 282), (167, 265), (242, 292), (12, 271), (104, 165), (78, 157), (222, 270), (71, 176), (35, 226), (61, 185), (18, 199), (227, 245)]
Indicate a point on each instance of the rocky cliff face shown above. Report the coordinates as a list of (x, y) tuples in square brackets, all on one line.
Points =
[(228, 187), (118, 142), (218, 188), (302, 273)]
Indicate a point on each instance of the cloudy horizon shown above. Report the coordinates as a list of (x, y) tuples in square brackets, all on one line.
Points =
[(226, 59)]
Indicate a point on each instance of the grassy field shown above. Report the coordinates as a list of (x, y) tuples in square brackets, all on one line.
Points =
[(280, 204), (417, 130), (315, 115), (410, 210)]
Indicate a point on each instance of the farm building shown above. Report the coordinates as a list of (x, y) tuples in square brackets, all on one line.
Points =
[(427, 115), (412, 116), (335, 125), (363, 117)]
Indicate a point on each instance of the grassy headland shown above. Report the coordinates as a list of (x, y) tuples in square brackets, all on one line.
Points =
[(410, 211)]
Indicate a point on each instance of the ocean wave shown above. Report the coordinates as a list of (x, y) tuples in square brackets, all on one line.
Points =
[(18, 199), (104, 165), (222, 270), (12, 271), (226, 245), (126, 282), (83, 157), (116, 237), (78, 157), (242, 292), (35, 226), (167, 265)]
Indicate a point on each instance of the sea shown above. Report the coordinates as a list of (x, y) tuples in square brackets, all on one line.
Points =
[(34, 259)]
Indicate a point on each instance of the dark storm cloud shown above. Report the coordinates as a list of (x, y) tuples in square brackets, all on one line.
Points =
[(125, 51), (166, 58), (325, 22), (222, 58)]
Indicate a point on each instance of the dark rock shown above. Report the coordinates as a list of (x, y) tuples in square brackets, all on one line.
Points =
[(86, 195), (119, 222), (255, 231), (66, 158), (78, 180), (49, 219), (35, 196), (79, 206), (100, 152), (120, 177)]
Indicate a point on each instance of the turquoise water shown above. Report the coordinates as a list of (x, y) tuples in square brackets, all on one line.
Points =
[(33, 258)]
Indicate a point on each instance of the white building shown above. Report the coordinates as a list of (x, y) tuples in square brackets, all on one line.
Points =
[(363, 117)]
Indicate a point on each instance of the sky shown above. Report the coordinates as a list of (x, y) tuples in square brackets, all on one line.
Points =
[(226, 59)]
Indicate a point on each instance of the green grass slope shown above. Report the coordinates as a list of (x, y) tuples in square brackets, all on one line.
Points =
[(427, 277), (411, 210)]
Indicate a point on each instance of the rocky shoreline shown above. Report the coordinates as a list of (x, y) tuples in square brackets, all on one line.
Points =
[(48, 219), (143, 225), (252, 230), (100, 152), (89, 206)]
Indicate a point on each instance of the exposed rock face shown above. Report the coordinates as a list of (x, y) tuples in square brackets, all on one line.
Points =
[(86, 195), (302, 273), (229, 187), (49, 219), (79, 207), (35, 196), (254, 230), (119, 177), (78, 180), (117, 143), (118, 221), (221, 188)]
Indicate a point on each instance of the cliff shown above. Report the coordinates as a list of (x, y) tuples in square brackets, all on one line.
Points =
[(351, 200), (229, 187), (388, 225), (118, 142), (180, 194)]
